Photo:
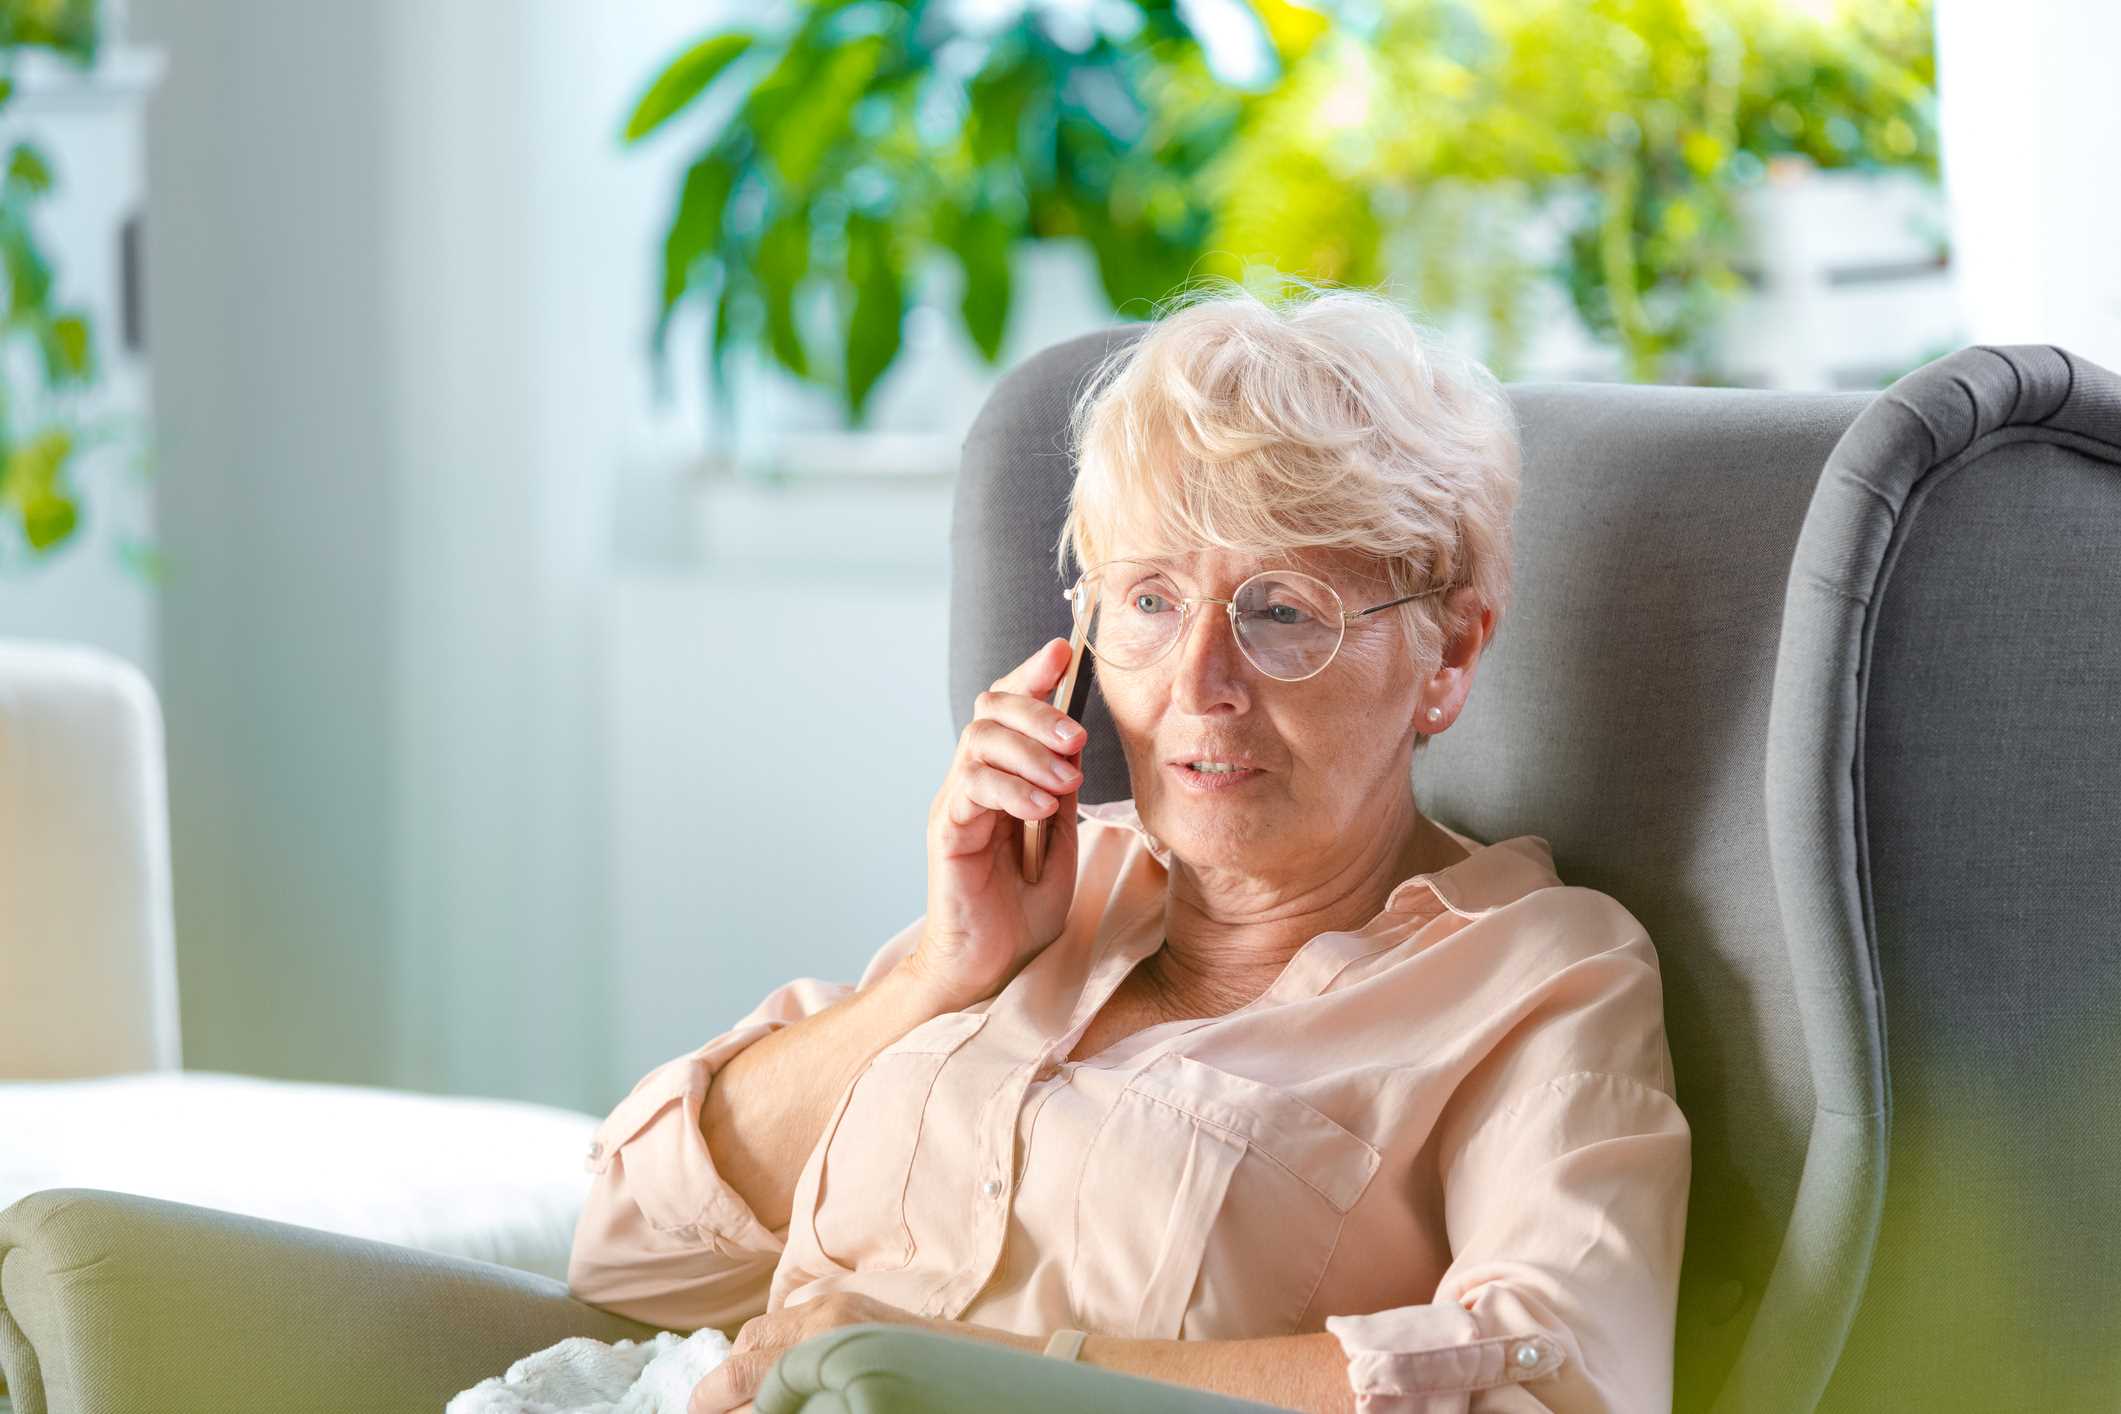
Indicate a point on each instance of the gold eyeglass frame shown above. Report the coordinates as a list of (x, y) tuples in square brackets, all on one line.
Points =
[(1185, 608)]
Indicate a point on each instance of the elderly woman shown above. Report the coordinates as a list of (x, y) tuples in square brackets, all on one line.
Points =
[(1270, 1084)]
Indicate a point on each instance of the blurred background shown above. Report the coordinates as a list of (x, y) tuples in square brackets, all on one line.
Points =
[(516, 437)]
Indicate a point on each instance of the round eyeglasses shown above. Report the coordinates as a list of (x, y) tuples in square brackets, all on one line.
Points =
[(1288, 624)]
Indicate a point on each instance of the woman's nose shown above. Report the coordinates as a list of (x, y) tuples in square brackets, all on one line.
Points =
[(1210, 669)]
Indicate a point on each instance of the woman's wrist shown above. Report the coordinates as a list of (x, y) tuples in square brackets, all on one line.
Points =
[(924, 993)]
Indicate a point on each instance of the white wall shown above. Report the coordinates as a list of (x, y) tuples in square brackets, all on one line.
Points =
[(805, 711), (397, 281), (2031, 124), (521, 257), (267, 324)]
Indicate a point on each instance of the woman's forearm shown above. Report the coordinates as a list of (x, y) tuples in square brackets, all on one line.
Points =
[(765, 1108)]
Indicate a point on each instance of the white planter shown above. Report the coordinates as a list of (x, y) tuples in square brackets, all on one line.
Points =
[(1854, 280)]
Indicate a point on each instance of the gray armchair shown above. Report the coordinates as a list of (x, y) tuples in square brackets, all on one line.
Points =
[(1839, 737), (1822, 687)]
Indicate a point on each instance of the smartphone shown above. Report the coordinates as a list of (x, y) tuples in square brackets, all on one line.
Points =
[(1072, 695)]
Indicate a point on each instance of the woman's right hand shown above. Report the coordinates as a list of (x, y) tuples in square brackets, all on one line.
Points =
[(1018, 759)]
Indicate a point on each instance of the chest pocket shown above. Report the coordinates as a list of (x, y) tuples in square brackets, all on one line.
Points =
[(1209, 1205), (859, 1219)]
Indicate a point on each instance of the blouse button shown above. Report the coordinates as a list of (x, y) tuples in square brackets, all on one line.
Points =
[(1527, 1355), (991, 1187)]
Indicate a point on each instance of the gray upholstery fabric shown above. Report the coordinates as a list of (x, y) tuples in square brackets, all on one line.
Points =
[(1622, 714), (1945, 790)]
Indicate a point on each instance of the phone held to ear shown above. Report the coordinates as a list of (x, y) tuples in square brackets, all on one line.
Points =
[(1072, 695)]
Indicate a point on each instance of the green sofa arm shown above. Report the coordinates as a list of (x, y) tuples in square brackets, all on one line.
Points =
[(889, 1369), (112, 1303)]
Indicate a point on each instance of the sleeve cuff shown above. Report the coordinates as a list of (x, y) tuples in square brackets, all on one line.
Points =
[(1430, 1359), (654, 1138)]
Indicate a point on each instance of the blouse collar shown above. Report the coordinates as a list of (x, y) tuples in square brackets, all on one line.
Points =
[(1490, 877)]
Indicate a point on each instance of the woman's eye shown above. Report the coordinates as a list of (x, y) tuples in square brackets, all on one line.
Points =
[(1148, 603), (1287, 614)]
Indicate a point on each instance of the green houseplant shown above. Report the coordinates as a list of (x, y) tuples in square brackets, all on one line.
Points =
[(1642, 121), (873, 132), (876, 131), (51, 342)]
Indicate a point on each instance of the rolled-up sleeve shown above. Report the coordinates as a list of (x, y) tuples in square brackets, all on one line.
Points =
[(1565, 1204), (662, 1237)]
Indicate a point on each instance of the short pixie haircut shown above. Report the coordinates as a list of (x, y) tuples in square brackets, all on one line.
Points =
[(1331, 420)]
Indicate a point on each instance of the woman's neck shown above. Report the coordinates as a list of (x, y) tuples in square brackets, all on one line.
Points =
[(1211, 964)]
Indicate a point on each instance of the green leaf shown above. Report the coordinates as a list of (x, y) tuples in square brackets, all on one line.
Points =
[(32, 484), (807, 129), (68, 27), (27, 166), (717, 344), (997, 99), (877, 326), (684, 80), (66, 350), (695, 233), (29, 278), (718, 341), (981, 239), (33, 467), (783, 261), (48, 521)]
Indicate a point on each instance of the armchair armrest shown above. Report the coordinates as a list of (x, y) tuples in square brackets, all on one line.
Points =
[(112, 1303), (879, 1368)]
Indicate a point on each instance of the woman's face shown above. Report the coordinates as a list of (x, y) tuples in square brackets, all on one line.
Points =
[(1333, 750)]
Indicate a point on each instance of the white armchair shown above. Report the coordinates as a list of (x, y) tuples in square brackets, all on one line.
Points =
[(88, 968), (91, 1090)]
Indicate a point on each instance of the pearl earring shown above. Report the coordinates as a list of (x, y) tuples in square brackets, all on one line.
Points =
[(1436, 714)]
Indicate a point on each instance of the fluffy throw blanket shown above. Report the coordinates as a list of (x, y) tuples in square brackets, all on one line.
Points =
[(584, 1376)]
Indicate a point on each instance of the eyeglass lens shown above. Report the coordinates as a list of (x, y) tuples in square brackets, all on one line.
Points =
[(1288, 624)]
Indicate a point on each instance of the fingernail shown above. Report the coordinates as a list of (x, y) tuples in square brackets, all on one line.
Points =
[(1065, 731), (1041, 799)]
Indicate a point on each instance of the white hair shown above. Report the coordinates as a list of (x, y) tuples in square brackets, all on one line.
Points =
[(1331, 421)]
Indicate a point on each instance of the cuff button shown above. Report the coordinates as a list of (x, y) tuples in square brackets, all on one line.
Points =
[(1527, 1355), (596, 1150)]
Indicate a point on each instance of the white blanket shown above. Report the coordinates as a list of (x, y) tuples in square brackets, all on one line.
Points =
[(584, 1376)]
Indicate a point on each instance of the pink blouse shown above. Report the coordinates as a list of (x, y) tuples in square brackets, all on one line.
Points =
[(1447, 1137)]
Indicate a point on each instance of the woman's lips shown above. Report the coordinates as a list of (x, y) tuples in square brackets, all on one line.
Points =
[(1213, 780)]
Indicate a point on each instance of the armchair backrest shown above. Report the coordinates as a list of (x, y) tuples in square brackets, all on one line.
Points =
[(88, 981)]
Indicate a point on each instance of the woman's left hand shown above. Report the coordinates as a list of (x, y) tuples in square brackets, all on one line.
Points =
[(764, 1338)]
